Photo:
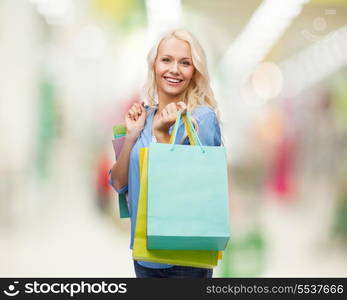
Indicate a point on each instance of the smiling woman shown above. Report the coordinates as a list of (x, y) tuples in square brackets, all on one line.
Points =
[(173, 68), (177, 80), (178, 54)]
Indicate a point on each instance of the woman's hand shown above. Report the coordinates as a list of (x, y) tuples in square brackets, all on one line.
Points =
[(168, 116), (135, 120)]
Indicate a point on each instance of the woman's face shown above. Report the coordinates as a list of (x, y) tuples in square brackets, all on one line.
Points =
[(173, 67)]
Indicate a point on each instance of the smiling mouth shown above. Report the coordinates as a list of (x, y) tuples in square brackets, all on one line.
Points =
[(173, 80)]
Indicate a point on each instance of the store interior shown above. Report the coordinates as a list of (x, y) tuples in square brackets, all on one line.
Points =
[(70, 69)]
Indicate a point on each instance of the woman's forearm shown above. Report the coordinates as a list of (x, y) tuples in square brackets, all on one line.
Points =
[(120, 169)]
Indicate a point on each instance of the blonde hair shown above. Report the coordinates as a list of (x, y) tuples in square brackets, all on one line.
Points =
[(198, 91)]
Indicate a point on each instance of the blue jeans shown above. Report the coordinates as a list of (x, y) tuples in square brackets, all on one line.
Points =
[(173, 272)]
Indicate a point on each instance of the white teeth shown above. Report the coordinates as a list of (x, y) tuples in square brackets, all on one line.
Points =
[(173, 80)]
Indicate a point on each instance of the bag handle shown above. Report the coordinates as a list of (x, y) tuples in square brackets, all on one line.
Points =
[(192, 134), (188, 129)]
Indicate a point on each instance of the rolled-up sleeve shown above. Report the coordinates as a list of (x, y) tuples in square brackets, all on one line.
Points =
[(123, 190)]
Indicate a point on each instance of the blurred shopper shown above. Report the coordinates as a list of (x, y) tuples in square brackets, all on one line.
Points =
[(177, 80), (102, 186)]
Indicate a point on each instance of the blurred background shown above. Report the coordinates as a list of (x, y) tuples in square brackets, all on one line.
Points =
[(69, 69)]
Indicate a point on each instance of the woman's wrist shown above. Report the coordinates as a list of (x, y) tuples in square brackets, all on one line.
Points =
[(130, 138)]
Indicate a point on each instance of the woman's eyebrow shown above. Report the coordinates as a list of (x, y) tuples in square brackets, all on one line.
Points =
[(172, 56)]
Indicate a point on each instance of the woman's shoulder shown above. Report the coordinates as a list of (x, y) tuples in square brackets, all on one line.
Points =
[(202, 111), (208, 125)]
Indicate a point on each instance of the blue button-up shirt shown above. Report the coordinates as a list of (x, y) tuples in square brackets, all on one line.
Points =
[(209, 135)]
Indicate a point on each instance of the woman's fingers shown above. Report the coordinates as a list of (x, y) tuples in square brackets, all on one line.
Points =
[(135, 111), (171, 110), (182, 107), (164, 114), (173, 107), (132, 114), (138, 108)]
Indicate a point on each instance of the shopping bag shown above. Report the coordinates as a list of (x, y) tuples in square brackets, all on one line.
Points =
[(188, 206), (193, 258)]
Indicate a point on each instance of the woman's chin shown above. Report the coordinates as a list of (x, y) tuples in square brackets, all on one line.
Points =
[(173, 91), (173, 94)]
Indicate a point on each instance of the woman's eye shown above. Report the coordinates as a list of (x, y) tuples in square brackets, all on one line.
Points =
[(165, 59), (186, 63)]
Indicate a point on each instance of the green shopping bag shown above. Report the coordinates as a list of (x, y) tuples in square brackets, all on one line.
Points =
[(200, 259), (188, 206), (119, 133)]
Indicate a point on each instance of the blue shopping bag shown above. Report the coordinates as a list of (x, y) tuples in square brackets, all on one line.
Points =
[(188, 206)]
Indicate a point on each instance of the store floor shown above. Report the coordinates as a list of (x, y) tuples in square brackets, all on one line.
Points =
[(75, 245), (57, 230)]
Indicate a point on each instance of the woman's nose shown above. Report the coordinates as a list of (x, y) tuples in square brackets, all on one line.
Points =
[(174, 68)]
